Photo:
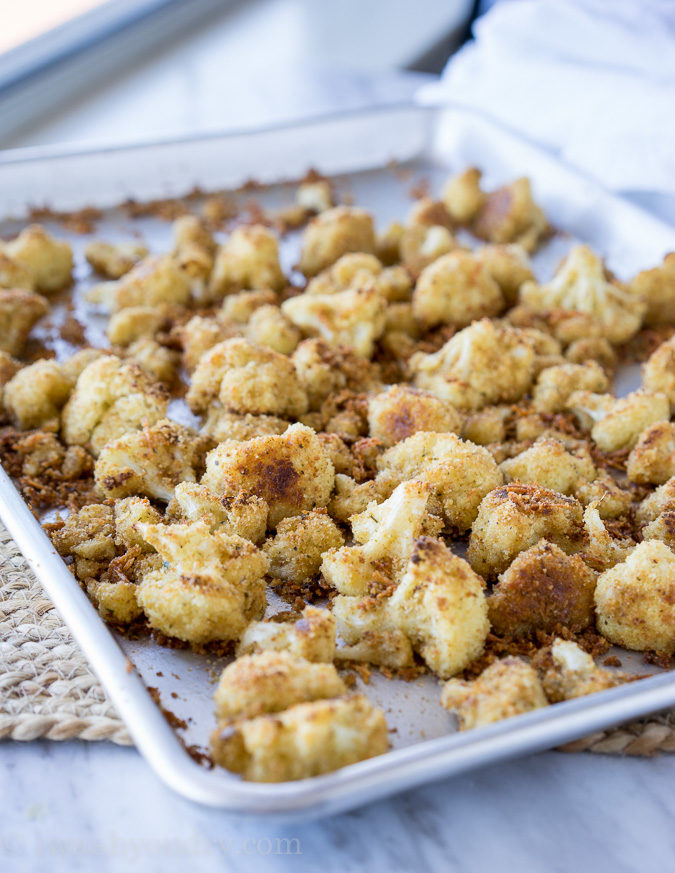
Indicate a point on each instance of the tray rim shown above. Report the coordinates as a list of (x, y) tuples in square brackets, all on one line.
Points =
[(359, 783)]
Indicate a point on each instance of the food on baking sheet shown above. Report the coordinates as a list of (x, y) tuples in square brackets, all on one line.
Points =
[(412, 442)]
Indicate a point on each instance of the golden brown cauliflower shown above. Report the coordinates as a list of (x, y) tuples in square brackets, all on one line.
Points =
[(241, 306), (510, 215), (593, 348), (111, 398), (483, 364), (88, 534), (514, 518), (556, 384), (271, 681), (241, 514), (113, 260), (653, 458), (315, 195), (368, 627), (361, 270), (661, 528), (48, 260), (151, 461), (269, 327), (249, 259), (202, 333), (291, 472), (635, 600), (463, 196), (35, 396), (543, 589), (13, 275), (244, 378), (567, 672), (154, 281), (210, 585), (456, 289), (300, 541), (401, 411), (421, 244), (137, 322), (19, 311), (334, 233), (129, 514), (602, 550), (660, 500), (506, 688), (459, 473), (508, 265), (311, 637), (603, 306), (354, 318), (440, 605), (658, 374), (657, 288), (304, 741), (324, 370), (194, 250), (550, 464), (221, 425), (618, 422)]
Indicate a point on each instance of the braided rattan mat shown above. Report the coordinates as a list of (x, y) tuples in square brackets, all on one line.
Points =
[(47, 689)]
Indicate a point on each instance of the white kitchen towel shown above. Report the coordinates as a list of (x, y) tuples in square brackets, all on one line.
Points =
[(592, 79)]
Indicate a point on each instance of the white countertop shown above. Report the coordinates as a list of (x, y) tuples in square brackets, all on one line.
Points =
[(83, 806)]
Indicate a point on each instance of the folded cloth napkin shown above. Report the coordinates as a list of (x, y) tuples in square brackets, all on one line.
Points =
[(593, 80)]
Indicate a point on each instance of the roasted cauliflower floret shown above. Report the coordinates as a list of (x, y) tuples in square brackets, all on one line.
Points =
[(483, 364), (116, 601), (241, 514), (129, 514), (48, 260), (194, 250), (154, 281), (592, 348), (111, 398), (618, 422), (661, 528), (440, 605), (602, 550), (401, 411), (304, 741), (151, 461), (312, 636), (291, 472), (386, 534), (653, 458), (510, 215), (657, 288), (315, 195), (249, 259), (113, 260), (635, 600), (506, 688), (658, 374), (354, 270), (271, 681), (296, 550), (456, 289), (158, 361), (334, 233), (13, 275), (567, 672), (324, 370), (543, 589), (19, 311), (35, 396), (241, 306), (221, 425), (370, 632), (202, 333), (485, 426), (508, 265), (422, 244), (660, 500), (582, 286), (88, 534), (269, 327), (210, 585), (611, 499), (354, 318), (550, 464), (463, 196), (244, 378), (556, 384), (459, 473), (514, 518), (136, 322)]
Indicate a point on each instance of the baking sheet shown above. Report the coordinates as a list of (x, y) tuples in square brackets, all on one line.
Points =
[(357, 150)]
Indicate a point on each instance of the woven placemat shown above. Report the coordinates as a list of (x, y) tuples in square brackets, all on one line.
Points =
[(47, 689)]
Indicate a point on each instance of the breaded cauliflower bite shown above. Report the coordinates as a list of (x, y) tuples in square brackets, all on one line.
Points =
[(510, 215), (269, 327), (635, 600), (19, 312), (114, 260), (151, 462), (244, 378), (324, 370), (209, 587), (291, 472), (543, 589), (618, 423), (483, 364), (137, 322), (401, 411), (303, 741), (463, 196), (35, 396), (440, 605), (567, 672), (657, 288), (368, 627), (458, 473), (661, 528), (422, 244), (271, 681), (129, 514), (652, 460), (506, 688), (311, 637), (581, 285), (295, 551), (660, 500), (154, 281), (249, 259), (515, 517), (354, 318), (361, 270), (556, 384), (221, 425), (334, 233), (13, 275), (242, 514), (508, 265), (111, 398), (550, 464), (658, 374), (456, 289), (48, 260)]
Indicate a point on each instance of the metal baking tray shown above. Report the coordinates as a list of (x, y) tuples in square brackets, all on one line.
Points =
[(359, 150)]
